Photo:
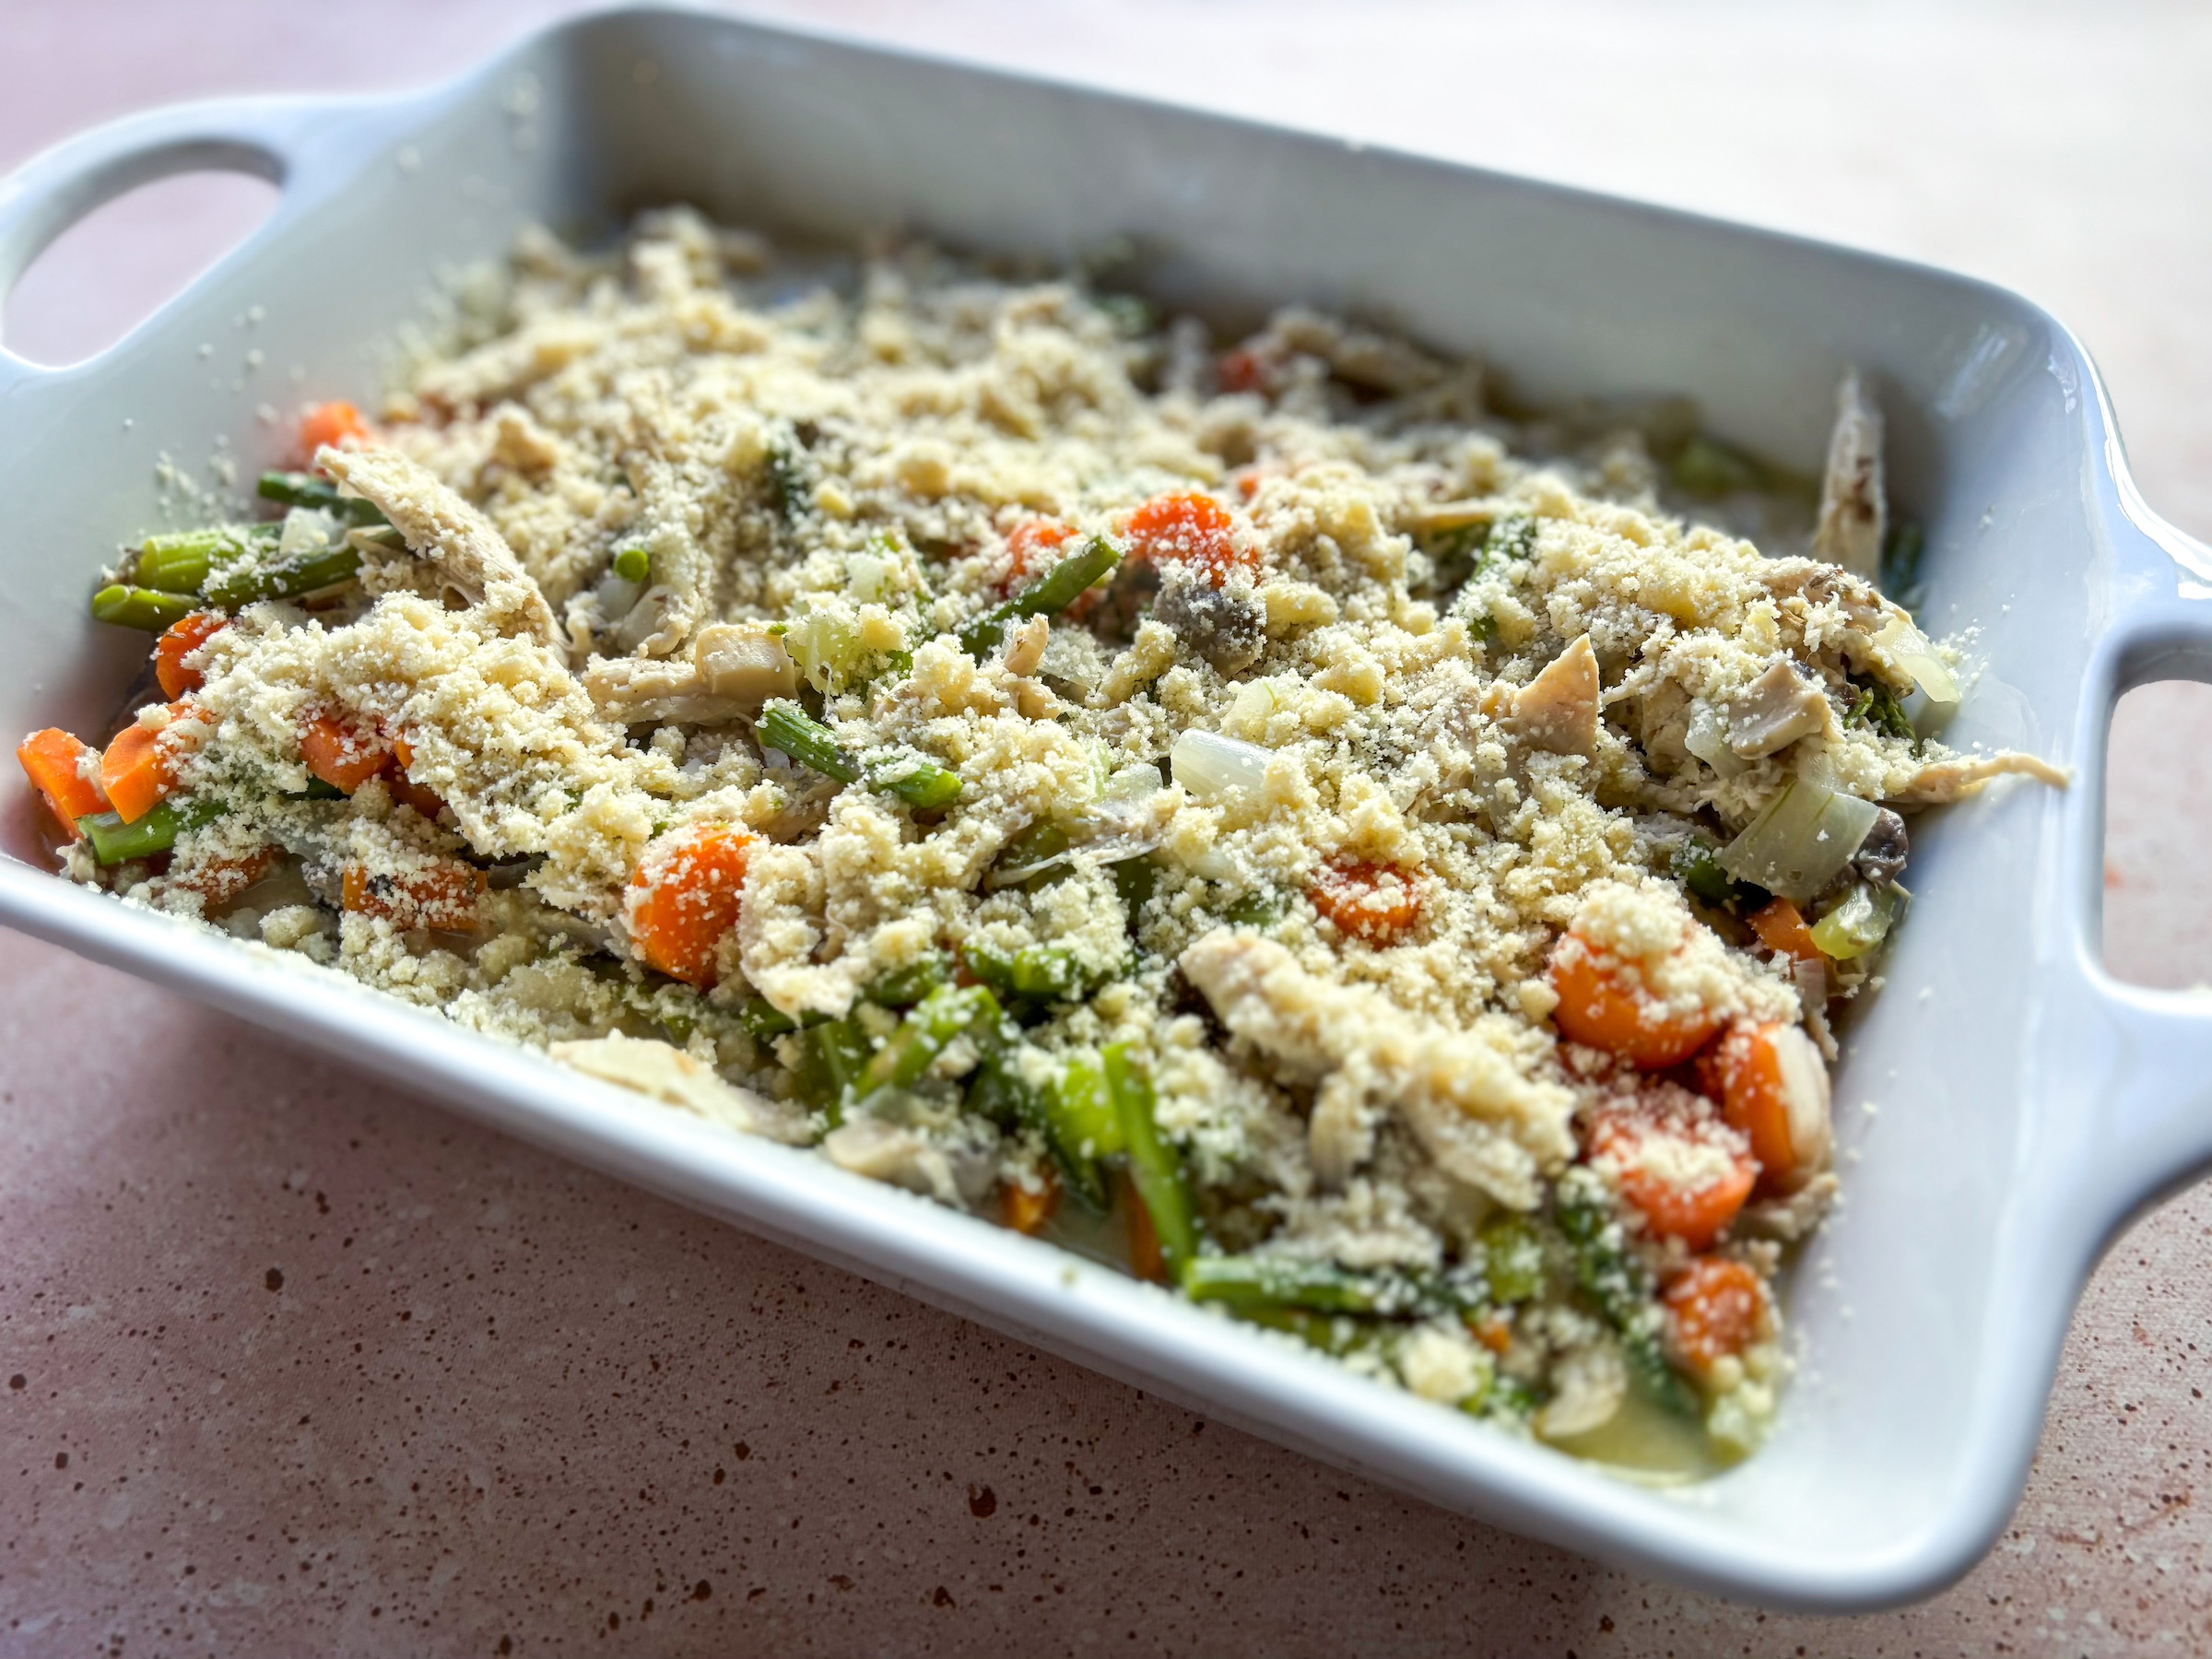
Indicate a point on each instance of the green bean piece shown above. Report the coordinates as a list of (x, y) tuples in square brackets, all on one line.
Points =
[(1336, 1335), (1134, 880), (246, 581), (141, 607), (787, 479), (1047, 596), (316, 790), (1240, 1283), (155, 830), (304, 490), (1261, 908), (997, 1092), (1697, 867), (1047, 972), (763, 1021), (1513, 1258), (903, 987), (633, 563), (989, 964), (1615, 1281), (927, 1032), (832, 1056), (785, 726), (1081, 1126), (179, 563), (1155, 1163)]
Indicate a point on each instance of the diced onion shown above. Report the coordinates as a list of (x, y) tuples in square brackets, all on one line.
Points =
[(1801, 841), (1131, 783), (1708, 740), (1208, 764), (1907, 647), (1857, 924)]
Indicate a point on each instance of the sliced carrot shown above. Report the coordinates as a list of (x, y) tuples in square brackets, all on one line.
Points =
[(1492, 1332), (1686, 1171), (1243, 369), (341, 754), (1772, 1090), (685, 896), (1191, 530), (53, 760), (442, 897), (1147, 1261), (1781, 927), (139, 767), (183, 638), (219, 880), (1030, 546), (338, 424), (1716, 1309), (1605, 1003), (1028, 1208), (428, 802), (1371, 901)]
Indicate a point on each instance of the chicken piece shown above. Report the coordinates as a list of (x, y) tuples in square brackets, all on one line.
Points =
[(1025, 646), (744, 662), (1464, 1095), (442, 529), (1947, 781), (1556, 711), (881, 1151), (1787, 1220), (1854, 511), (666, 1073), (632, 691), (1774, 711), (675, 603), (1340, 1135), (1588, 1384)]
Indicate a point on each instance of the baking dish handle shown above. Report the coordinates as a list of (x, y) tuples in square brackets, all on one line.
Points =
[(268, 137), (2148, 1051)]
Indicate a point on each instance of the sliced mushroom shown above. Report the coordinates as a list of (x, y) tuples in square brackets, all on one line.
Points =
[(1777, 708), (1228, 626), (444, 530), (662, 1073), (1853, 509), (1880, 859), (1557, 711), (744, 662)]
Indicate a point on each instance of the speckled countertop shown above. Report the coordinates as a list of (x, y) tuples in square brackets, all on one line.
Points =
[(295, 1364)]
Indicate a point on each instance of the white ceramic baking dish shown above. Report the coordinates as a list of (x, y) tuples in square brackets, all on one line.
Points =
[(2004, 1106)]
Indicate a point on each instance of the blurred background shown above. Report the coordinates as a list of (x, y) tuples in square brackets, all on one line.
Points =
[(2063, 150)]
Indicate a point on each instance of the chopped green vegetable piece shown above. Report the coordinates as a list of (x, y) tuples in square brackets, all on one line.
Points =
[(1081, 1125), (1047, 596), (633, 563), (903, 987), (1266, 1281), (316, 790), (1880, 708), (1134, 880), (1155, 1164), (785, 726), (831, 1057), (996, 1091), (304, 490), (1611, 1276), (1858, 923), (1801, 841), (926, 1031), (179, 563), (1042, 840), (1046, 972), (1706, 468), (1262, 909), (141, 607), (115, 842), (249, 580), (763, 1020), (788, 480), (1697, 867), (1513, 1257)]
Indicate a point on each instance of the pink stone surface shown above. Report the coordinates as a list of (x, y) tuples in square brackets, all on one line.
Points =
[(290, 1363)]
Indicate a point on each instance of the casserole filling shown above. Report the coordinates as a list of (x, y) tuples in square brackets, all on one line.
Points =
[(1276, 819)]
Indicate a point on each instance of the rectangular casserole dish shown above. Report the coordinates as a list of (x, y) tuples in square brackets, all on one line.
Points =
[(2004, 1105)]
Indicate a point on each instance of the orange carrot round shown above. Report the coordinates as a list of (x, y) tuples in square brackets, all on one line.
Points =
[(1716, 1309), (183, 638), (338, 424), (341, 754), (1605, 1003), (1773, 1090), (1026, 1209), (53, 759), (442, 897), (685, 896), (1686, 1175), (1370, 902), (1781, 927), (1194, 531), (220, 880), (139, 767)]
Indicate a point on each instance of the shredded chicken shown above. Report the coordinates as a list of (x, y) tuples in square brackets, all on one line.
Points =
[(1947, 781), (662, 1073), (1557, 711), (1854, 511)]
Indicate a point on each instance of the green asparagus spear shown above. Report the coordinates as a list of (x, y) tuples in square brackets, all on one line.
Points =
[(304, 490), (763, 1020), (1047, 596), (903, 987), (1155, 1165), (1246, 1282), (245, 580), (113, 842), (140, 607), (179, 563), (1513, 1258), (1081, 1125), (832, 1056), (1615, 1281), (919, 782), (926, 1031)]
